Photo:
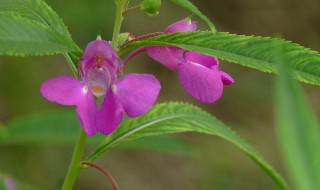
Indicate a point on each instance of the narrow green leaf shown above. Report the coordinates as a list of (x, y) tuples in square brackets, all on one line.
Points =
[(61, 127), (298, 130), (19, 36), (28, 19), (190, 7), (249, 51), (170, 118)]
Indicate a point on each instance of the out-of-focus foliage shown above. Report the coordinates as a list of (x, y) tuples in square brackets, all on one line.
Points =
[(298, 130)]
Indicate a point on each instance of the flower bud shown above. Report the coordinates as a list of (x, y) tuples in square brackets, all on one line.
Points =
[(151, 7), (125, 37)]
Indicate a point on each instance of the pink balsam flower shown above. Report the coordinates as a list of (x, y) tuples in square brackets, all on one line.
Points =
[(199, 74), (99, 69)]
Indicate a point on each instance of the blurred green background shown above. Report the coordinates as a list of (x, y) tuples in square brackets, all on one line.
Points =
[(246, 106)]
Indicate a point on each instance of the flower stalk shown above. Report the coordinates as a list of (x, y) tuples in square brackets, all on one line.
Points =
[(118, 21), (75, 165), (104, 172)]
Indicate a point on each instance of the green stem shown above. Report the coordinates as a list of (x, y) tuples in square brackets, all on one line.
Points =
[(117, 25), (71, 64), (75, 165)]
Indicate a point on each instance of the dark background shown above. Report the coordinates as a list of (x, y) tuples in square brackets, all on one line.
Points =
[(245, 106)]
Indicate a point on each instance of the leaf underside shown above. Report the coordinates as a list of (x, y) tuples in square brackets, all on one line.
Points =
[(248, 51)]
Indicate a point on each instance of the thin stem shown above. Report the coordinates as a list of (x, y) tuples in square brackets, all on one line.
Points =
[(75, 166), (105, 172), (117, 25), (131, 9), (71, 65)]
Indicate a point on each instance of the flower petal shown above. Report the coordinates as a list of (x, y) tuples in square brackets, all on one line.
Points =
[(69, 91), (137, 93), (63, 90), (202, 59), (110, 114), (184, 25), (98, 47), (87, 110), (201, 82), (167, 56), (226, 79)]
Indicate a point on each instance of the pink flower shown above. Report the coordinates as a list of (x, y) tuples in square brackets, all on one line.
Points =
[(10, 183), (99, 69), (199, 74)]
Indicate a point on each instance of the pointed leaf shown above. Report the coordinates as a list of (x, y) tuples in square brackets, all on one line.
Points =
[(249, 51), (170, 118), (298, 131)]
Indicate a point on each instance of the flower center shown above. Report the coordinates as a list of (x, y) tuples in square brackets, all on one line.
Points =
[(98, 90), (99, 80)]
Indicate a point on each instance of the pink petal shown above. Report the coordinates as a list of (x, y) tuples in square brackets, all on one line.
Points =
[(226, 79), (202, 59), (137, 93), (184, 25), (98, 47), (110, 114), (69, 91), (201, 82), (167, 56), (87, 110), (63, 90)]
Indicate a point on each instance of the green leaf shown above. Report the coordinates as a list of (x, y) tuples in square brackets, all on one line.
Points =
[(190, 7), (28, 23), (297, 129), (61, 127), (160, 144), (249, 51), (170, 118), (36, 10), (19, 36)]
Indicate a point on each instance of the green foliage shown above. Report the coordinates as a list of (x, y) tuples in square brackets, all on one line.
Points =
[(190, 7), (19, 36), (151, 6), (170, 118), (298, 131), (249, 51), (61, 128), (3, 185), (160, 144), (58, 127), (31, 27)]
